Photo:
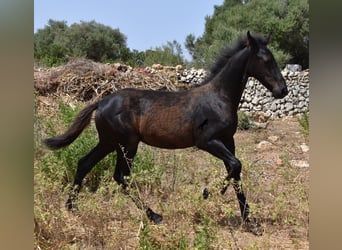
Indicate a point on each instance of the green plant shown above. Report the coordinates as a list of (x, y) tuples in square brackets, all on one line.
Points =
[(244, 122), (287, 21), (57, 41), (168, 54), (146, 241), (204, 236), (304, 123), (63, 163)]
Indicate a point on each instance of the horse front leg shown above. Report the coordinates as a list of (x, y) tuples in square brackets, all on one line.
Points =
[(234, 177), (250, 225)]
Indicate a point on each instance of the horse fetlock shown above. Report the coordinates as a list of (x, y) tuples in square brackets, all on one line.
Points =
[(205, 193), (119, 178), (71, 203)]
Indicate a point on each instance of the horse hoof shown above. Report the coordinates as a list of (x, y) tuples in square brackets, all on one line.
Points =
[(155, 218), (223, 190), (205, 193), (254, 227), (70, 205)]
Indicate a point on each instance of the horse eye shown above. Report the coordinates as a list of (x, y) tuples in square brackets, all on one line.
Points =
[(263, 55), (266, 59)]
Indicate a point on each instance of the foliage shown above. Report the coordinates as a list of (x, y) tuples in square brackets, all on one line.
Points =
[(287, 22), (169, 54), (204, 236), (49, 43), (95, 41), (244, 122), (67, 158), (57, 42), (304, 123)]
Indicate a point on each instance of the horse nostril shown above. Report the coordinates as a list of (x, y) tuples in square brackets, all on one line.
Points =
[(284, 91)]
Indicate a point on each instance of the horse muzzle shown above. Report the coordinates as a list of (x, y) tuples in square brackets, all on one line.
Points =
[(280, 92)]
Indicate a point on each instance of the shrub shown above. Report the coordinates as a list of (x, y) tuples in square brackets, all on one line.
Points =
[(244, 122)]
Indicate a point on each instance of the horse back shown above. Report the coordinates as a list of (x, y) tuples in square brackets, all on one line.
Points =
[(158, 118)]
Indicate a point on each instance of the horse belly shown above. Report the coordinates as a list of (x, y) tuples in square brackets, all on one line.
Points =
[(167, 131)]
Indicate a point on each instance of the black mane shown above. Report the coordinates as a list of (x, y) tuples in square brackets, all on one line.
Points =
[(227, 53)]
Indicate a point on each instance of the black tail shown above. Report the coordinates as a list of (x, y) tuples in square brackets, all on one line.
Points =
[(80, 123)]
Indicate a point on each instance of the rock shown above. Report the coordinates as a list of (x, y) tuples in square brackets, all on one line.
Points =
[(179, 67), (299, 163), (273, 107), (278, 161), (157, 66), (262, 125), (248, 98), (293, 67), (255, 101), (305, 148), (264, 145), (288, 106), (273, 138)]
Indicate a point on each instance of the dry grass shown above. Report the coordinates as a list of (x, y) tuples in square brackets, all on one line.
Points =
[(171, 182)]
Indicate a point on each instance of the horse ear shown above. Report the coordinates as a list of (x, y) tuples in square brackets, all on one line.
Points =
[(251, 42)]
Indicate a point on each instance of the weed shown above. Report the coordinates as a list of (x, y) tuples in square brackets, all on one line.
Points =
[(64, 161), (146, 241), (204, 235), (244, 122), (304, 123)]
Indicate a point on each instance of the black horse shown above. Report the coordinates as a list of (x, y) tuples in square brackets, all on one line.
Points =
[(205, 117)]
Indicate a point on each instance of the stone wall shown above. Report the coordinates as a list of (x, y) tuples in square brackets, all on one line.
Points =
[(257, 99)]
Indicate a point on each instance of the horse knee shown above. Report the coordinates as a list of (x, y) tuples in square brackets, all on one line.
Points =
[(235, 167)]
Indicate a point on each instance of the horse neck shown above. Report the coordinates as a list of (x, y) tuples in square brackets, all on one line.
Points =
[(231, 81)]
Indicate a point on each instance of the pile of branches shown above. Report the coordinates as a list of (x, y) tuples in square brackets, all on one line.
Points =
[(86, 80)]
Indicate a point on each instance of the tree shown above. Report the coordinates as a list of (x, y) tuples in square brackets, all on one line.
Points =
[(56, 42), (287, 21), (95, 41), (190, 42), (49, 43), (168, 54)]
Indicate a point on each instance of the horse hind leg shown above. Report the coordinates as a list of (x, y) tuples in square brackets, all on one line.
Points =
[(226, 152), (122, 169), (85, 164)]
